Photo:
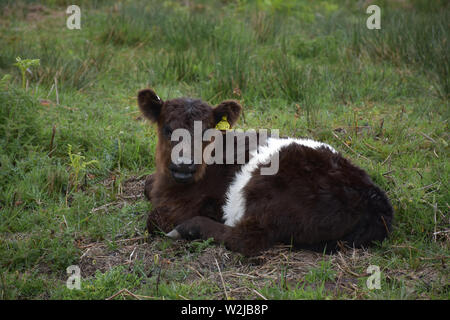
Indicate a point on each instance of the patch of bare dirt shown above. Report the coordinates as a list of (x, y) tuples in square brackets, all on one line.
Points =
[(129, 191), (133, 188)]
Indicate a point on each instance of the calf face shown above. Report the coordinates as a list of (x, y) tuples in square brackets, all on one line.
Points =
[(181, 113)]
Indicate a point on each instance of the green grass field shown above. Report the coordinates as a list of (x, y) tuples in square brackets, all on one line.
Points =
[(74, 151)]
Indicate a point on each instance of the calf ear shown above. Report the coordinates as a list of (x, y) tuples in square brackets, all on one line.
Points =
[(230, 108), (150, 104)]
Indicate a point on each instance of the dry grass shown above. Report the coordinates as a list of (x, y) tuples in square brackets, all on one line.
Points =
[(239, 277)]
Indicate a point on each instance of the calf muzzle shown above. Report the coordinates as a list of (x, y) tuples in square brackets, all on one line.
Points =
[(183, 171)]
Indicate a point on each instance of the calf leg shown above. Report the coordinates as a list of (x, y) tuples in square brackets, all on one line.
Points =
[(247, 237)]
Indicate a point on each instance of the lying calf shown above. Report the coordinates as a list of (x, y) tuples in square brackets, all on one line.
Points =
[(316, 199)]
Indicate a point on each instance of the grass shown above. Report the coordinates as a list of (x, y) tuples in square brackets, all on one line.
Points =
[(307, 68)]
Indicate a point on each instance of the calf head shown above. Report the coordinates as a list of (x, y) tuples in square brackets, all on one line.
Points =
[(181, 113)]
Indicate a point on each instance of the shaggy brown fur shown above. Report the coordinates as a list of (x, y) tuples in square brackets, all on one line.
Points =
[(316, 200)]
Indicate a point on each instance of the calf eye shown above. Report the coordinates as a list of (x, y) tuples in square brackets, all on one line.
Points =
[(167, 131)]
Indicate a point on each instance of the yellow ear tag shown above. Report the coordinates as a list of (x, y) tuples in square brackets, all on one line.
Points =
[(223, 124)]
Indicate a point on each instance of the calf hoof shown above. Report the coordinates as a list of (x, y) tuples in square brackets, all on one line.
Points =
[(189, 230), (174, 234)]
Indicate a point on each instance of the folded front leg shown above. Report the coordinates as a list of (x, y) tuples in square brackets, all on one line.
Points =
[(246, 238)]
